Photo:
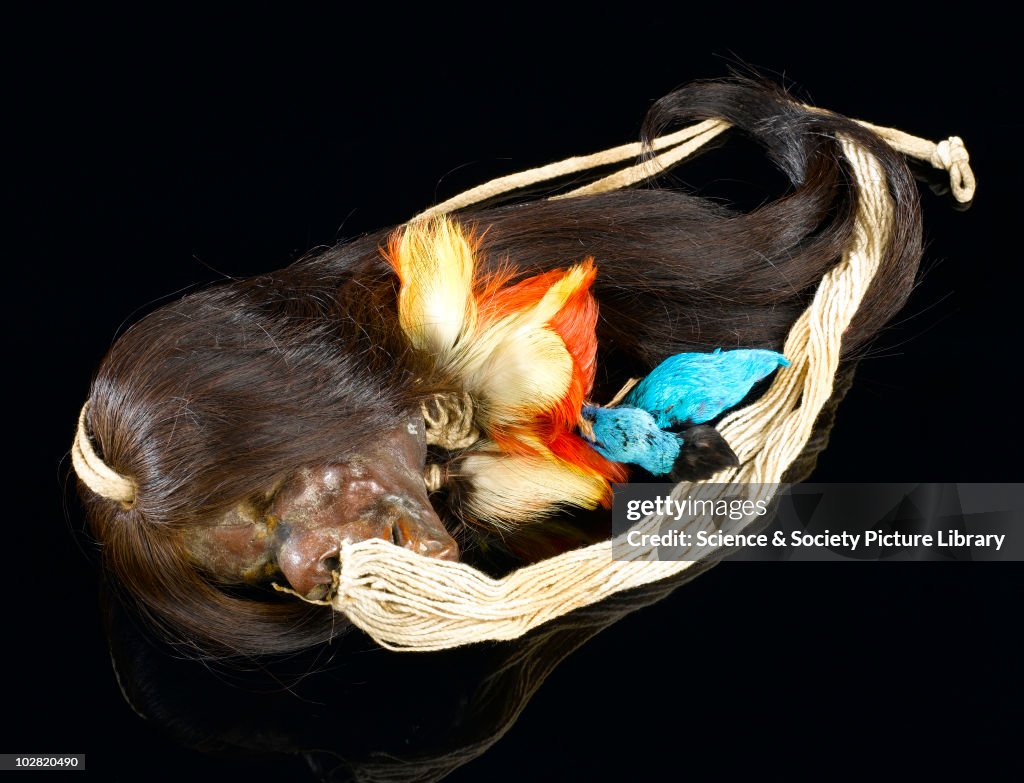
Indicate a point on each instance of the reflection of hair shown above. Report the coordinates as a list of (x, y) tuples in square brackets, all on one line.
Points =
[(216, 397)]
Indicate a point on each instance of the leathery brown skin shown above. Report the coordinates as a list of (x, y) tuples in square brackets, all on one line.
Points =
[(298, 529)]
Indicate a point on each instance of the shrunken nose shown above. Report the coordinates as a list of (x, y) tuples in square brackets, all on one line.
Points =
[(308, 558)]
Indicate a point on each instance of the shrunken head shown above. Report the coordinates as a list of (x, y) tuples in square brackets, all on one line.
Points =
[(295, 532), (262, 424)]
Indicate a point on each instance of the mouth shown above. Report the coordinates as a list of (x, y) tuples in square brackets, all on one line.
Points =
[(416, 527), (321, 593)]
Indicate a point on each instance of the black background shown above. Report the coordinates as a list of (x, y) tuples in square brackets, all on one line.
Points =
[(153, 155)]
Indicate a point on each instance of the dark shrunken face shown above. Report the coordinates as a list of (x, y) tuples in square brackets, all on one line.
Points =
[(297, 530)]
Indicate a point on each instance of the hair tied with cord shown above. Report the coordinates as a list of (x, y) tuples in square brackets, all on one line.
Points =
[(94, 472)]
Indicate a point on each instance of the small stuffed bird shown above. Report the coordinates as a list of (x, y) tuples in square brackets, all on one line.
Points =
[(632, 435), (685, 390), (692, 388)]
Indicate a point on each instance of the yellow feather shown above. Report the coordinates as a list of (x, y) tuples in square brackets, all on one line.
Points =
[(435, 306), (559, 293)]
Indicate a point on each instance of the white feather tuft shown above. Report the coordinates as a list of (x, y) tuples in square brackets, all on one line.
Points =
[(509, 490)]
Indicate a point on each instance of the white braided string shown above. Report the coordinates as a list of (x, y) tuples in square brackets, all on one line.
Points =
[(700, 133)]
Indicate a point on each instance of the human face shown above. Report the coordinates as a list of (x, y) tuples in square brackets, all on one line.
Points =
[(297, 530)]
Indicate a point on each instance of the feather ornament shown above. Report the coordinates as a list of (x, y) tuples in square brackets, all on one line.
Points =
[(525, 351)]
